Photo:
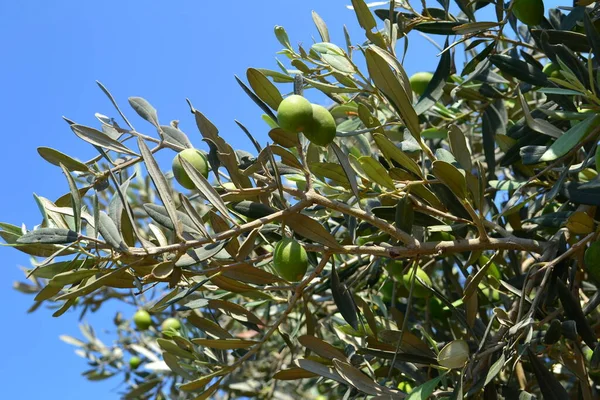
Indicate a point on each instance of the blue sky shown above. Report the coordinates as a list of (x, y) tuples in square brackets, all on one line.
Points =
[(53, 52)]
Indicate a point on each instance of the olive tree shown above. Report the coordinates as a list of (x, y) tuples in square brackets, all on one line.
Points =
[(423, 237)]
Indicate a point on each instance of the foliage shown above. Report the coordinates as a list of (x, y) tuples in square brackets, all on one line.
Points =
[(450, 236)]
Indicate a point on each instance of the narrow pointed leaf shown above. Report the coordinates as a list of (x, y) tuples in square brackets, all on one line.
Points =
[(162, 187), (55, 157), (100, 139), (343, 299), (205, 188), (49, 236), (144, 110)]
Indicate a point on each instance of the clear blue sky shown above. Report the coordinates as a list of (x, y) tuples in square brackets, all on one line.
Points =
[(53, 51)]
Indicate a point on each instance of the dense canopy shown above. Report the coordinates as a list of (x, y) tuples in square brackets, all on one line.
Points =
[(440, 242)]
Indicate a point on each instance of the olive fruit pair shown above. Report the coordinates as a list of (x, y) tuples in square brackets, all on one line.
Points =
[(290, 260), (143, 321), (296, 114), (198, 161)]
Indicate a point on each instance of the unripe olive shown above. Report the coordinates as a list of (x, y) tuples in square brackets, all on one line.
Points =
[(294, 113), (290, 260), (419, 290), (170, 323), (198, 161), (142, 320), (322, 129), (529, 12), (134, 362), (419, 82)]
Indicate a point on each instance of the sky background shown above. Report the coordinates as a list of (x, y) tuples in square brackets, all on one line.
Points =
[(53, 52)]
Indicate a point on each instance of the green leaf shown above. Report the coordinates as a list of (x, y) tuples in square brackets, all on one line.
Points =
[(97, 138), (235, 311), (263, 88), (570, 139), (319, 369), (376, 172), (70, 277), (283, 138), (451, 177), (91, 284), (75, 198), (574, 41), (321, 26), (307, 227), (55, 157), (176, 137), (144, 110), (329, 88), (495, 369), (116, 205), (171, 347), (257, 100), (197, 255), (292, 374), (390, 85), (252, 209), (549, 386), (49, 236), (435, 89), (282, 36), (224, 344), (321, 347), (592, 260), (405, 215), (343, 299), (438, 27), (110, 232), (573, 311), (364, 15), (519, 69), (204, 187), (460, 150), (160, 182), (392, 152), (359, 380), (592, 35), (160, 215), (454, 355), (424, 391), (347, 168), (474, 27), (332, 171)]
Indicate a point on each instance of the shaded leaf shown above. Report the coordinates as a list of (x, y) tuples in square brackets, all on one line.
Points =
[(49, 236), (549, 386), (343, 299), (307, 227)]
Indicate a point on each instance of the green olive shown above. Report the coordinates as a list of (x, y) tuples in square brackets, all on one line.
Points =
[(529, 12), (198, 161), (142, 320), (322, 129), (290, 260), (294, 113), (419, 289), (170, 324), (419, 82)]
